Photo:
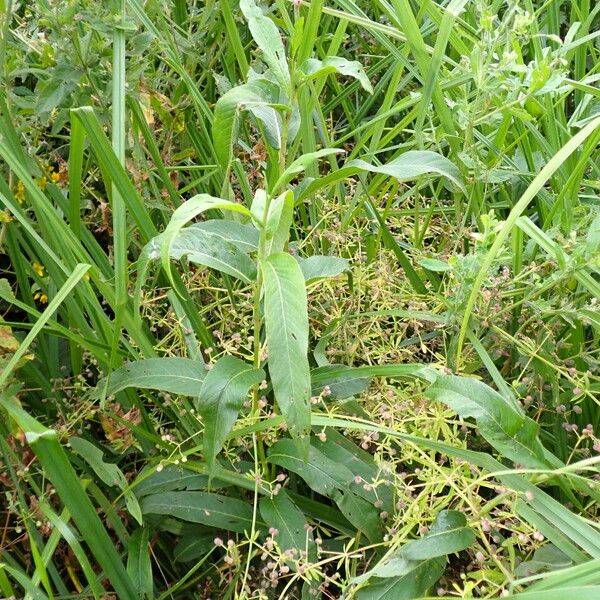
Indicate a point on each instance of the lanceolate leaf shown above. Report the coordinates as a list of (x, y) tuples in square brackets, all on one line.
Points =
[(183, 215), (319, 267), (361, 513), (221, 398), (168, 374), (138, 562), (448, 534), (261, 96), (414, 584), (268, 39), (313, 67), (281, 513), (279, 221), (201, 507), (505, 427), (241, 235), (321, 474), (202, 247), (407, 167), (286, 324)]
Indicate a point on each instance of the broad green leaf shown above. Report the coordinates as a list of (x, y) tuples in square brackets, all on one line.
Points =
[(413, 584), (281, 513), (592, 242), (345, 452), (259, 96), (407, 167), (138, 562), (168, 374), (505, 427), (171, 478), (313, 67), (589, 592), (201, 507), (183, 215), (222, 395), (448, 534), (319, 267), (61, 474), (268, 39), (241, 235), (361, 513), (109, 473), (201, 247), (320, 473), (286, 324)]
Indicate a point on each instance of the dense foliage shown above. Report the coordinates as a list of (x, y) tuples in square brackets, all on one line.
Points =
[(299, 300)]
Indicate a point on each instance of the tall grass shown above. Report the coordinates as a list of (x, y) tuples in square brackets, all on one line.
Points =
[(299, 299)]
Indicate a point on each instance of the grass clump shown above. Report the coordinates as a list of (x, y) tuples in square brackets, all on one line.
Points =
[(299, 300)]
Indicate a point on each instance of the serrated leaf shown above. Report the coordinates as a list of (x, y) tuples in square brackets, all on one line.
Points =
[(201, 507), (168, 374), (505, 427), (222, 395), (286, 325), (313, 67), (321, 474), (319, 267)]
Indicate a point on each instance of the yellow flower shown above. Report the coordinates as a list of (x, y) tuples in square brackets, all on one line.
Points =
[(41, 297), (42, 182), (20, 192), (39, 269), (55, 176)]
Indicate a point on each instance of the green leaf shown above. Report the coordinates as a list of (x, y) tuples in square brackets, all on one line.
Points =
[(500, 422), (193, 545), (222, 395), (168, 374), (59, 471), (259, 96), (413, 584), (201, 247), (432, 264), (201, 507), (319, 267), (321, 474), (279, 221), (301, 163), (268, 39), (171, 478), (361, 513), (313, 68), (281, 513), (185, 213), (448, 534), (109, 473), (242, 235), (286, 324), (407, 167), (342, 381), (138, 562)]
